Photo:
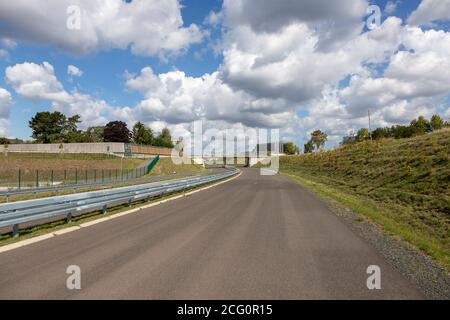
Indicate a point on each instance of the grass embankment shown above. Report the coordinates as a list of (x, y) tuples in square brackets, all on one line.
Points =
[(402, 185), (84, 164), (59, 167), (166, 166), (42, 161)]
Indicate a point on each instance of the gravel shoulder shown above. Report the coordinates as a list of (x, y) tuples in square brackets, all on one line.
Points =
[(419, 268)]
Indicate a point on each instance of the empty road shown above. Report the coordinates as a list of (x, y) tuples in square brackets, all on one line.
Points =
[(254, 237)]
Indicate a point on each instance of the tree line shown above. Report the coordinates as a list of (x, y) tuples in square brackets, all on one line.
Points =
[(55, 127), (417, 127)]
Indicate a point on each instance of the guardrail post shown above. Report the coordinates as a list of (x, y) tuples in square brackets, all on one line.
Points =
[(103, 175), (20, 178), (86, 176), (69, 217), (53, 180), (76, 176), (104, 209), (95, 175), (15, 231), (37, 178)]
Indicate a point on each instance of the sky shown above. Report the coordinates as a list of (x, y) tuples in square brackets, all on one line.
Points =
[(291, 65)]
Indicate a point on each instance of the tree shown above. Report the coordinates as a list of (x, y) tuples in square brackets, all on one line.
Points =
[(117, 131), (309, 147), (318, 139), (381, 133), (437, 123), (164, 139), (400, 132), (142, 134), (420, 126), (95, 134), (290, 148), (48, 127), (363, 134), (4, 141)]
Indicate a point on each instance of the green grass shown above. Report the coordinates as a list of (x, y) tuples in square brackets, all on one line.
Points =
[(402, 185), (166, 166), (60, 168)]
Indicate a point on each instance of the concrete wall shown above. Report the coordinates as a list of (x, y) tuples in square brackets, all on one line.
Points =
[(97, 148)]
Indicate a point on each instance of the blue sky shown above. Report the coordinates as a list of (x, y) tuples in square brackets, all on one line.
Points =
[(103, 72), (106, 72)]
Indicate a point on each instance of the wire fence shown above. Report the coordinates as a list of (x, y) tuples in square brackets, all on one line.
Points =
[(24, 179)]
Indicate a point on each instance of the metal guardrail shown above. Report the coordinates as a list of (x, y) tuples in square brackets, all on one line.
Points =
[(15, 192), (12, 214)]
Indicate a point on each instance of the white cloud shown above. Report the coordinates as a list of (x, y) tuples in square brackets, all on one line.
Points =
[(5, 105), (38, 82), (280, 58), (334, 20), (429, 11), (74, 71), (149, 28), (288, 65), (176, 98)]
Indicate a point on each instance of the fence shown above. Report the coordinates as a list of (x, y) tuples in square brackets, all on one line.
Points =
[(22, 179)]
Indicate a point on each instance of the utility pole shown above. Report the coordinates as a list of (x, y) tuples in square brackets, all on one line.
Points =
[(370, 129)]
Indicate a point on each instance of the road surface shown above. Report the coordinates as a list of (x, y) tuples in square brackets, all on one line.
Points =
[(254, 237)]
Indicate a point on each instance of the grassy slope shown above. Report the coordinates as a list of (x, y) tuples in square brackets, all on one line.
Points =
[(403, 185), (33, 162), (165, 166)]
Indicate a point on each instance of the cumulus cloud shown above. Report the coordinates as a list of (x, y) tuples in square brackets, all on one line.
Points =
[(288, 65), (429, 11), (176, 98), (38, 82), (148, 28), (392, 67), (280, 59), (5, 105), (74, 71), (334, 20)]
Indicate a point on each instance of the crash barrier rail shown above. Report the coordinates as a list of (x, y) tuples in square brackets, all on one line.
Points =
[(15, 213), (15, 192)]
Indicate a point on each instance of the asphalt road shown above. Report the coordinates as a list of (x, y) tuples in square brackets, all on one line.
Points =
[(254, 237)]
